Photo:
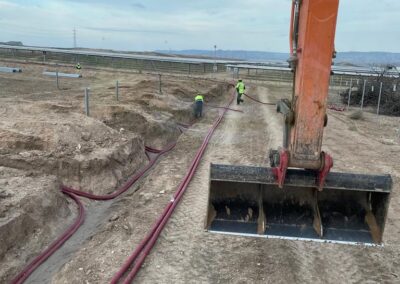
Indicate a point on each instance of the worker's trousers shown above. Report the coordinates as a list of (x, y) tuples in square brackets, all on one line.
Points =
[(239, 98), (198, 109)]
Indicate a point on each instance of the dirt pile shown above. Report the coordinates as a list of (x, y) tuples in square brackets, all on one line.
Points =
[(83, 152), (356, 115), (27, 216), (114, 240), (156, 116), (46, 140), (157, 128)]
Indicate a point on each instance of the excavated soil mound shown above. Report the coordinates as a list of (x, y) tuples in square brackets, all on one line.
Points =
[(83, 152), (157, 129), (28, 217), (152, 85), (46, 140)]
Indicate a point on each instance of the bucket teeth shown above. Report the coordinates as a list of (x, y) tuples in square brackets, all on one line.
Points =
[(352, 208), (261, 221), (212, 213), (228, 211), (317, 223), (371, 220)]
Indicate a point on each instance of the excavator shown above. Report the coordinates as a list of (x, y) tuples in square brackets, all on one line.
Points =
[(299, 197)]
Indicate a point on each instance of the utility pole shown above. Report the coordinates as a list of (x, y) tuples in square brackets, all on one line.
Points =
[(74, 31), (215, 68)]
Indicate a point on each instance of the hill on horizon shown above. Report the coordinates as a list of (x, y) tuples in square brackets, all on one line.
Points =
[(349, 57), (357, 58)]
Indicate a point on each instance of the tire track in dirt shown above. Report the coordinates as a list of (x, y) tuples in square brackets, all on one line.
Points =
[(209, 258), (131, 216), (187, 254), (332, 263), (236, 260)]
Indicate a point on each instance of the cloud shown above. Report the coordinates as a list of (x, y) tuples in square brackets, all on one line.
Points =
[(231, 24), (129, 30), (138, 5)]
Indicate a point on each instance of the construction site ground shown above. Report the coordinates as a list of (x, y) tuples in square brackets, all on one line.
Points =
[(46, 140)]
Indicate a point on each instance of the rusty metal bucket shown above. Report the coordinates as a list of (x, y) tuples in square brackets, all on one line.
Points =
[(245, 200)]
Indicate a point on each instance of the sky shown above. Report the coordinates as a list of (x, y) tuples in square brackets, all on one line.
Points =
[(263, 25)]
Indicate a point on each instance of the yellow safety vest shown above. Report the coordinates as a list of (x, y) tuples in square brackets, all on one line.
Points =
[(240, 87), (198, 98)]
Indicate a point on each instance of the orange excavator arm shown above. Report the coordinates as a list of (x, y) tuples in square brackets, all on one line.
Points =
[(312, 37), (298, 197)]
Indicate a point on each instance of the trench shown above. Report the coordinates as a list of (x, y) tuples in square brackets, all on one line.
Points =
[(96, 213)]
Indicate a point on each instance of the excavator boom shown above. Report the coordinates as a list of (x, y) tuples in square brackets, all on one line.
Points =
[(298, 197), (312, 65)]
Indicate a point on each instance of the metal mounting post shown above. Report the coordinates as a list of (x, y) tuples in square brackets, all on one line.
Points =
[(379, 98), (87, 101), (117, 90), (363, 94), (348, 100), (160, 86), (58, 86)]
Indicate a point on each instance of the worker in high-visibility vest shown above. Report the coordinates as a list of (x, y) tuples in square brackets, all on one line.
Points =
[(240, 87), (78, 66), (198, 106)]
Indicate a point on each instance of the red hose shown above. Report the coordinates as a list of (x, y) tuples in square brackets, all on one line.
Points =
[(72, 193), (129, 183), (336, 108), (152, 150), (35, 263), (254, 99), (170, 208), (187, 125), (221, 107), (148, 242)]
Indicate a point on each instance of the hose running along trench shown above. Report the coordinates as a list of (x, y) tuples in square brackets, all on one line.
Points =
[(73, 193), (222, 107), (129, 183), (258, 101), (36, 262), (137, 258)]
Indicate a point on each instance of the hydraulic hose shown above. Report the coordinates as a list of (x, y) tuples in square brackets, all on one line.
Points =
[(73, 193), (187, 125), (258, 101), (36, 262), (149, 241), (335, 108), (170, 208), (152, 150), (222, 107), (142, 250), (129, 183)]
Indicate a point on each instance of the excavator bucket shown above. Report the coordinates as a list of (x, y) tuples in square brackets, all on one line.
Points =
[(246, 201)]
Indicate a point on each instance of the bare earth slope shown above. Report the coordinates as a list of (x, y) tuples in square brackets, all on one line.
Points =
[(40, 126), (187, 254)]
